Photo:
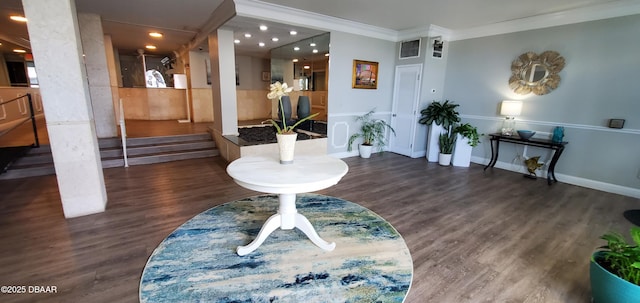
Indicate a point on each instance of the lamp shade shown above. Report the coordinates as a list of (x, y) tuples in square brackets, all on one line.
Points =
[(511, 108), (180, 81)]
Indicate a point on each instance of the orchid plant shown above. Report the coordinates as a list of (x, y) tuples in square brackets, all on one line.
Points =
[(277, 90)]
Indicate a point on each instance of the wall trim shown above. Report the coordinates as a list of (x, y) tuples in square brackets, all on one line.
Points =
[(573, 180), (357, 114), (567, 125), (278, 13)]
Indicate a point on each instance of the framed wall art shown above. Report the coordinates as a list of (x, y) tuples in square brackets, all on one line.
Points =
[(365, 74)]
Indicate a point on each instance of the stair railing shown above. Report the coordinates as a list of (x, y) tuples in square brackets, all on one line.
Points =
[(19, 122), (123, 132)]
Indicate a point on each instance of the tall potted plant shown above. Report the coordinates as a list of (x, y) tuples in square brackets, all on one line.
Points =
[(615, 269), (372, 132), (467, 138), (446, 141), (440, 117)]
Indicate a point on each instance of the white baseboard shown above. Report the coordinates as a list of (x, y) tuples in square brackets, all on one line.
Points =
[(573, 180)]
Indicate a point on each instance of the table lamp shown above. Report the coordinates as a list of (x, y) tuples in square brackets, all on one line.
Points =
[(510, 109)]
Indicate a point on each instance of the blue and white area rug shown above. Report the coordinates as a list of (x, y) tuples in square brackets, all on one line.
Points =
[(198, 261)]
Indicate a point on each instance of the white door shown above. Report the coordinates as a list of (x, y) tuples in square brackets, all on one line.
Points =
[(404, 118)]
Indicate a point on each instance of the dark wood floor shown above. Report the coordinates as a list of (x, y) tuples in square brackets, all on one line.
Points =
[(474, 237)]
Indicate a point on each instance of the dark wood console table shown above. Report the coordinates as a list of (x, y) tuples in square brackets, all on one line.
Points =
[(557, 147)]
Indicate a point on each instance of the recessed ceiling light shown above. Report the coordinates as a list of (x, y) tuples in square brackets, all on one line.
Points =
[(0, 43), (315, 51), (296, 48), (236, 41), (18, 18), (21, 51), (293, 33), (326, 55), (306, 67), (275, 39), (263, 28), (295, 60), (312, 44), (155, 34), (261, 44), (149, 46), (247, 35)]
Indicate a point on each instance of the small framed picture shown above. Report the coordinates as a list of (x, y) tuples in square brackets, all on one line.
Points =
[(365, 74), (266, 76)]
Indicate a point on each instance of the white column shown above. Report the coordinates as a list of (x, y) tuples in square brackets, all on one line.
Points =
[(57, 51), (95, 60), (223, 83)]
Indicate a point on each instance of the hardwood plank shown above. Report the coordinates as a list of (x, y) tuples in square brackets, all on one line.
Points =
[(474, 236)]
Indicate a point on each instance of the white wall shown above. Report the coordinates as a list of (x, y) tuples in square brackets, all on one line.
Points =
[(598, 82), (345, 102)]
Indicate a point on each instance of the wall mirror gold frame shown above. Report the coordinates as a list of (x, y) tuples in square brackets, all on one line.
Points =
[(538, 74)]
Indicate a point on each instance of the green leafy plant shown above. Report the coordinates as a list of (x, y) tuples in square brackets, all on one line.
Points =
[(371, 131), (469, 131), (443, 114), (447, 140), (622, 258)]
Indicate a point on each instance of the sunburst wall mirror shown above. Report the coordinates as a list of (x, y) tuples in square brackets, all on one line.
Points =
[(538, 74)]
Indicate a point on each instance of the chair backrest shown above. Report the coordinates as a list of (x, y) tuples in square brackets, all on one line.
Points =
[(304, 107)]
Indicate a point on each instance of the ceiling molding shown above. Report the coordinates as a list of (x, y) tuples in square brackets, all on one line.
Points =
[(591, 13), (282, 14), (430, 31)]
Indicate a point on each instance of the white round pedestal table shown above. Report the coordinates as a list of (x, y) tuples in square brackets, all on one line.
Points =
[(305, 174)]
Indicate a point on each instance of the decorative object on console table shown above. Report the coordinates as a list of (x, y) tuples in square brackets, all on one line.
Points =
[(372, 132), (558, 134), (441, 117), (525, 134), (510, 109)]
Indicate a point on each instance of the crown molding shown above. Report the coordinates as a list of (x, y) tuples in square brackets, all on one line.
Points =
[(278, 13), (591, 13)]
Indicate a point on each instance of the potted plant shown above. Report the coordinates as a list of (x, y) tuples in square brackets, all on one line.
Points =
[(285, 135), (372, 132), (440, 117), (446, 141), (615, 269), (467, 138)]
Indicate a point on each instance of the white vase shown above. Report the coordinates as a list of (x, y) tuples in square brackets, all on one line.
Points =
[(444, 159), (286, 146), (365, 150), (462, 152), (433, 146)]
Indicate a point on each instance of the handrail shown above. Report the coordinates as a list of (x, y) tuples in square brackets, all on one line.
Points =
[(32, 117), (123, 133)]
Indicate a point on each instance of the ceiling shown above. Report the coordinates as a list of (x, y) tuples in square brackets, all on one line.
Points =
[(129, 21)]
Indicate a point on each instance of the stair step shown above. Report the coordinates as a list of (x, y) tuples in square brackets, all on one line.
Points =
[(151, 149)]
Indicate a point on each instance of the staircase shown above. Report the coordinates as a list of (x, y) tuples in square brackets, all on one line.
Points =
[(39, 161)]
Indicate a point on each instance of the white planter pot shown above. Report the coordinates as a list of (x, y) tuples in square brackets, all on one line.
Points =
[(433, 147), (461, 152), (286, 146), (365, 150), (444, 159)]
